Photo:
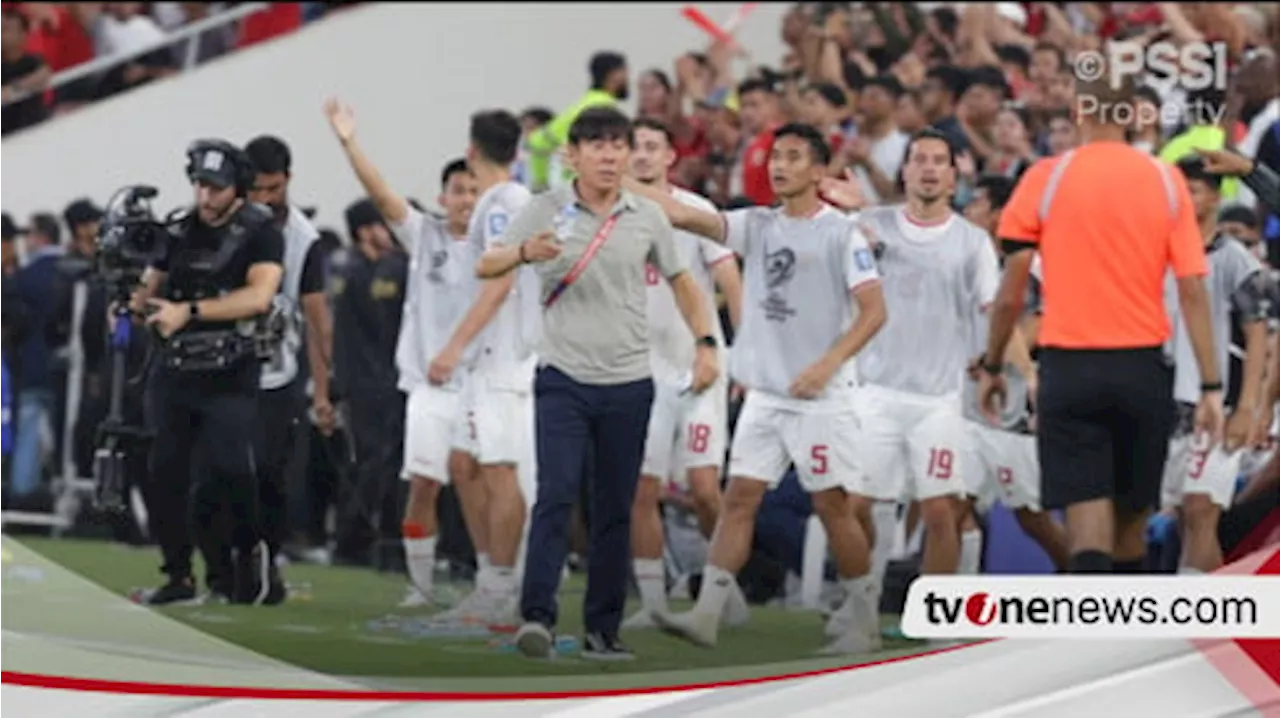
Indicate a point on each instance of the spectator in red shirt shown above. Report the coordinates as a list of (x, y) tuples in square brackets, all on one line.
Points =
[(759, 110)]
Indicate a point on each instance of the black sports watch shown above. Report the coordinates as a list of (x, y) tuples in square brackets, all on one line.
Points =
[(708, 341), (992, 369), (194, 310)]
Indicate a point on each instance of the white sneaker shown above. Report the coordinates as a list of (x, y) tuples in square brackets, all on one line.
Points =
[(534, 640), (413, 598), (852, 643), (475, 608), (736, 610), (838, 623), (697, 628), (641, 620), (505, 613)]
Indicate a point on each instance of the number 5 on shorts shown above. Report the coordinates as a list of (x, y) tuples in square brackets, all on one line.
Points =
[(818, 457)]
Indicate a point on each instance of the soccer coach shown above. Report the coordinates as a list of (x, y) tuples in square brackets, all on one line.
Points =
[(589, 244), (1109, 223)]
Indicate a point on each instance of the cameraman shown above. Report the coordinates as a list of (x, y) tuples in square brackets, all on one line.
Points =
[(302, 294), (218, 270)]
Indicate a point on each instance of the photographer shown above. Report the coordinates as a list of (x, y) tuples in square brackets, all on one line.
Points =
[(218, 270), (302, 296)]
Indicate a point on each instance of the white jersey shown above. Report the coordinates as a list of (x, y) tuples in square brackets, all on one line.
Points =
[(935, 278), (299, 235), (514, 332), (1231, 268), (1016, 414), (441, 289), (671, 342), (797, 276)]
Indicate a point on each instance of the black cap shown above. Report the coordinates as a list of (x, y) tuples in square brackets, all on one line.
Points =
[(81, 211), (214, 163), (10, 228)]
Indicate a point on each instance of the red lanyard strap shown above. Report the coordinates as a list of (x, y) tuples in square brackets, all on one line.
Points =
[(580, 266)]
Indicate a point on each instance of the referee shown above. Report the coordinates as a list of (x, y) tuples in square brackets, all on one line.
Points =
[(1110, 225)]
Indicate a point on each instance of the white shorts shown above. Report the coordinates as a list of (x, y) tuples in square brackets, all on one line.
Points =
[(912, 445), (773, 433), (1191, 470), (434, 425), (1004, 465), (687, 431), (499, 411)]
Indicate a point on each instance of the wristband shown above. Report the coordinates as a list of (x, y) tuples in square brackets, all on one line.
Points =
[(1210, 386), (992, 369), (194, 310), (708, 341)]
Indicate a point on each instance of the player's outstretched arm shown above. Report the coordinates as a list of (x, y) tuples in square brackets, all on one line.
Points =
[(393, 207), (682, 216)]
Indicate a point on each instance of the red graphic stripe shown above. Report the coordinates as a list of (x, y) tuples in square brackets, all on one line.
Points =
[(33, 680), (1252, 666)]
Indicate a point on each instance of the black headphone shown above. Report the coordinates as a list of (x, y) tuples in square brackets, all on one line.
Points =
[(244, 170)]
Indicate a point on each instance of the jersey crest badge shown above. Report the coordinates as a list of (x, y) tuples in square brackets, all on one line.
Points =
[(497, 223)]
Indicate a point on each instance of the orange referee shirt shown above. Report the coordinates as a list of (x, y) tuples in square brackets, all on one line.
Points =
[(1109, 222)]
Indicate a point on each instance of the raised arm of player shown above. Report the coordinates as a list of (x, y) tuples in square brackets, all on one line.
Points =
[(393, 207), (682, 216)]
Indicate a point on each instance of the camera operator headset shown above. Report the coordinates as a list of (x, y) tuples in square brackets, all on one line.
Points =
[(204, 294)]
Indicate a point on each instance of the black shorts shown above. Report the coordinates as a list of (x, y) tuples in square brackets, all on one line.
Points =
[(1103, 426)]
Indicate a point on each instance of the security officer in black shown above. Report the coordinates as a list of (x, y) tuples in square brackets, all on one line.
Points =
[(369, 289), (203, 295)]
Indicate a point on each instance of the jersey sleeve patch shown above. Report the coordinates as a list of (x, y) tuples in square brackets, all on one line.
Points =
[(863, 260), (497, 224)]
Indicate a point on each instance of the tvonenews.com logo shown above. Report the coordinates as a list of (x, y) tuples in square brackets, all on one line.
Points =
[(1093, 607), (1162, 66), (984, 609)]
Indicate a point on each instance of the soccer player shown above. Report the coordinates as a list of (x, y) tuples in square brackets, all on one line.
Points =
[(503, 323), (1005, 454), (812, 300), (688, 433), (441, 287), (1200, 478), (939, 270)]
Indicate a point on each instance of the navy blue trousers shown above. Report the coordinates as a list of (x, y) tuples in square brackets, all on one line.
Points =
[(573, 421)]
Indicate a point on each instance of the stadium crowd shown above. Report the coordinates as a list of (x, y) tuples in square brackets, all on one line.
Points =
[(997, 80)]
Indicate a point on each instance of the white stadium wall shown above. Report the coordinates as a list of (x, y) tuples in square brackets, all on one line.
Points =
[(413, 73)]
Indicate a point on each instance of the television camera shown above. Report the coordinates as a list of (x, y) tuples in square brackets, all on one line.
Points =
[(129, 238)]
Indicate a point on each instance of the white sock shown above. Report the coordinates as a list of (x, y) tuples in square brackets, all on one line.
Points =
[(502, 580), (420, 555), (717, 584), (884, 515), (860, 597), (970, 553), (651, 579), (483, 563)]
